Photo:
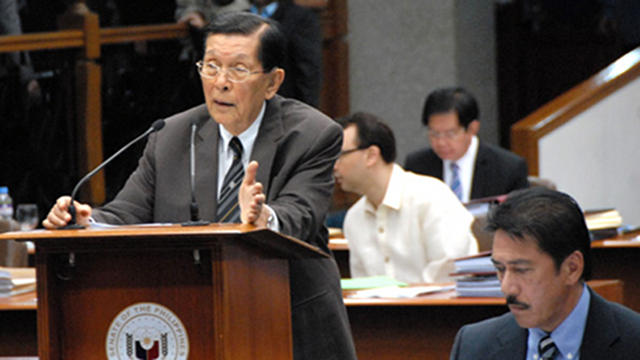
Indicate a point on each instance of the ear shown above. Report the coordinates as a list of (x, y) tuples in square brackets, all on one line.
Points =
[(473, 127), (373, 155), (276, 77), (572, 267)]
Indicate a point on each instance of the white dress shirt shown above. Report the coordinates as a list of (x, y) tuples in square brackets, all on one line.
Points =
[(225, 156), (413, 235)]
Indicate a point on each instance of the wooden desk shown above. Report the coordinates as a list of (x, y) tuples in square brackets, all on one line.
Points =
[(340, 250), (383, 329), (420, 328), (619, 258), (425, 327), (18, 325)]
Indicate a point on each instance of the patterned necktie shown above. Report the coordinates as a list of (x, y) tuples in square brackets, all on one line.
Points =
[(228, 209), (456, 186), (546, 348)]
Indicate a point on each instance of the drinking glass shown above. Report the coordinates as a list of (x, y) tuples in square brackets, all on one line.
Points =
[(27, 216)]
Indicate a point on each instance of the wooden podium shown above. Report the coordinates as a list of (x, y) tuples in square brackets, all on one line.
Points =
[(164, 292)]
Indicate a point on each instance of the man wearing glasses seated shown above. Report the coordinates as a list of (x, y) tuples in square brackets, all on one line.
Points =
[(405, 226), (473, 169)]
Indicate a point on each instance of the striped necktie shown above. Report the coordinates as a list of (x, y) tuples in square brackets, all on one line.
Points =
[(456, 186), (228, 209), (546, 348)]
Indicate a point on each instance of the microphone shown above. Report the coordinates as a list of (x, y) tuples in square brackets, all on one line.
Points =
[(194, 211), (156, 126)]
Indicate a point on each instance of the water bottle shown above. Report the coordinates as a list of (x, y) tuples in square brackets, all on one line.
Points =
[(6, 204)]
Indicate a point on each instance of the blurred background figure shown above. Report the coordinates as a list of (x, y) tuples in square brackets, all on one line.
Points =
[(622, 19), (473, 169), (15, 66), (301, 28), (198, 13)]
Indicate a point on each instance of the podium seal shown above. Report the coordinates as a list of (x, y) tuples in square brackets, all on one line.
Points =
[(147, 331)]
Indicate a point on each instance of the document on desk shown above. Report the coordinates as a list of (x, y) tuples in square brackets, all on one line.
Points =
[(370, 282), (399, 292), (14, 281), (102, 225), (634, 240)]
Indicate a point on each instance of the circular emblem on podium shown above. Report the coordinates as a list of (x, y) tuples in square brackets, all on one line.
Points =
[(147, 331)]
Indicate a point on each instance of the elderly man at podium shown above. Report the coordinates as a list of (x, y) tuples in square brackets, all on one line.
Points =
[(262, 159)]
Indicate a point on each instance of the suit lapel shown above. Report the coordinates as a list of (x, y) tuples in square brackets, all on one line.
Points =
[(207, 144), (511, 343), (266, 145), (479, 173), (207, 141), (600, 333)]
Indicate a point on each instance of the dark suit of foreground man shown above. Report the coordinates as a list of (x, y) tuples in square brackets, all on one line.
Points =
[(295, 147), (541, 251)]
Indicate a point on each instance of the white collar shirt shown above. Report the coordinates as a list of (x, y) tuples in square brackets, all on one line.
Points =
[(225, 156), (247, 139), (567, 336), (413, 235)]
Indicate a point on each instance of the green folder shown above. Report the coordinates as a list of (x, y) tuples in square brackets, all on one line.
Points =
[(369, 282)]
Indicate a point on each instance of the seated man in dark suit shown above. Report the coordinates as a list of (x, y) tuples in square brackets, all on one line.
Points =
[(542, 253), (472, 168)]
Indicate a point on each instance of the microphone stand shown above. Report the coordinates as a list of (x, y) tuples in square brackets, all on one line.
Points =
[(73, 224), (194, 210)]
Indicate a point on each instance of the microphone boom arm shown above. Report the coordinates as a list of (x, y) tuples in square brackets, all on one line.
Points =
[(156, 126)]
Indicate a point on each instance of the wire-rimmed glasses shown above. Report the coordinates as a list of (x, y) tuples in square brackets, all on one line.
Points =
[(210, 70)]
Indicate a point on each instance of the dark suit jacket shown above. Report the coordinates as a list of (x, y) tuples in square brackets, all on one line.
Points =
[(497, 171), (303, 66), (296, 148), (612, 332)]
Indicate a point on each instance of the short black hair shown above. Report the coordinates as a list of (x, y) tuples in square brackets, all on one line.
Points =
[(372, 130), (552, 219), (272, 48), (449, 99)]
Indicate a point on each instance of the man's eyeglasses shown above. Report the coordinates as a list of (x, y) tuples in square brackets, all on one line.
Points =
[(345, 152), (449, 134), (234, 74)]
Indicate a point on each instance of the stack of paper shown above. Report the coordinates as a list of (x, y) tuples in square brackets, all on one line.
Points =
[(14, 281), (479, 286), (603, 223), (477, 276), (475, 264)]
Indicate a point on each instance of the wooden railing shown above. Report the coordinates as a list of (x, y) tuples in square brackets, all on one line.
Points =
[(68, 39), (526, 133), (80, 30)]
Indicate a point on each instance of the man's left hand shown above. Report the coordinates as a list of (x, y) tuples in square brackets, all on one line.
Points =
[(252, 199)]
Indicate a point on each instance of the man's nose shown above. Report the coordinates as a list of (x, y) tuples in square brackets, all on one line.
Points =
[(438, 140), (222, 80), (508, 285)]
